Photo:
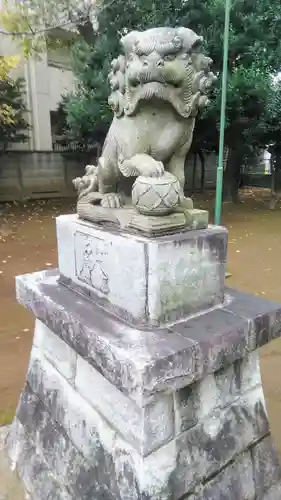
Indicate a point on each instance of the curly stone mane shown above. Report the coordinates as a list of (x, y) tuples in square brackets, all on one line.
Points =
[(178, 43)]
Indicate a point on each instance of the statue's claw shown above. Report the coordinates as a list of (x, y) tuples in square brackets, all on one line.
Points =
[(160, 169), (111, 200)]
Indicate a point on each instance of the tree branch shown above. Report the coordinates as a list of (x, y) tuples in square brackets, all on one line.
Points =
[(87, 32), (35, 32)]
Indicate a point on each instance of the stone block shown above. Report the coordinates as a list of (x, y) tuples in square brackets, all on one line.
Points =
[(51, 442), (195, 402), (145, 428), (265, 316), (156, 290), (38, 480), (235, 482), (11, 487), (151, 415), (111, 470), (219, 336), (145, 361), (274, 493), (206, 448), (58, 352), (248, 373), (266, 467), (197, 219), (227, 385)]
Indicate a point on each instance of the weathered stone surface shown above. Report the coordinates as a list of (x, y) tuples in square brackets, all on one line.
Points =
[(189, 281), (265, 466), (38, 480), (265, 316), (247, 372), (227, 383), (145, 428), (175, 469), (219, 390), (11, 488), (273, 494), (235, 482), (146, 362), (195, 402), (197, 219), (204, 449), (214, 416), (68, 466), (155, 226), (112, 468), (96, 440), (157, 289), (219, 336), (60, 354)]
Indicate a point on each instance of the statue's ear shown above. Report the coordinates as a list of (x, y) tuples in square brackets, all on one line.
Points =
[(128, 41), (190, 41)]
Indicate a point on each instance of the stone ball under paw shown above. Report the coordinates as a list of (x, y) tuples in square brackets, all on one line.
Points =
[(156, 195)]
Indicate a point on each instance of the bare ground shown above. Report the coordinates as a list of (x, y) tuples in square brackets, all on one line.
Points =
[(28, 243)]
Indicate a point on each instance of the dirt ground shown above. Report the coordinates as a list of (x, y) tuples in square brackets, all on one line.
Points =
[(28, 243)]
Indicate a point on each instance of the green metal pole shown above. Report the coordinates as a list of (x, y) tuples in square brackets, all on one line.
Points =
[(219, 184)]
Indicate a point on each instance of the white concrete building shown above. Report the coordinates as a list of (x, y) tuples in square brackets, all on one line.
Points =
[(46, 80)]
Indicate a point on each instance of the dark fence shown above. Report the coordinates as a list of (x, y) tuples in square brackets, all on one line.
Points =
[(40, 174), (49, 174)]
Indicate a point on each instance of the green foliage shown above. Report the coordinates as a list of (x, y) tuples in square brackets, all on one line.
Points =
[(254, 54), (88, 114), (268, 131), (13, 127)]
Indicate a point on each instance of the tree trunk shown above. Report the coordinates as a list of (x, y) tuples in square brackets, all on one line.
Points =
[(87, 32), (276, 180), (194, 171), (203, 167), (232, 175)]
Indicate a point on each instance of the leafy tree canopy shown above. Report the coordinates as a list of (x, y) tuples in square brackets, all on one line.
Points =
[(254, 56), (13, 125)]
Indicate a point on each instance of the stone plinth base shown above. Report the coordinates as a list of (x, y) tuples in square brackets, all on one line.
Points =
[(11, 487), (109, 412), (145, 281)]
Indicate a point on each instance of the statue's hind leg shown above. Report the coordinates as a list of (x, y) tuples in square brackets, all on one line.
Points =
[(108, 176)]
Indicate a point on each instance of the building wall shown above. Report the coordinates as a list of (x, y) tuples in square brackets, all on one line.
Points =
[(60, 81), (46, 174), (46, 80), (42, 174)]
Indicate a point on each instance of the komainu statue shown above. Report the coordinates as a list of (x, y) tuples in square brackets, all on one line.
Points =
[(157, 85)]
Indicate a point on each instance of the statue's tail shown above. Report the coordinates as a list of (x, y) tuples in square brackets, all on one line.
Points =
[(88, 208)]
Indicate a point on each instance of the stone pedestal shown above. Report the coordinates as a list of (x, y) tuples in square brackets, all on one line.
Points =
[(144, 281), (110, 411)]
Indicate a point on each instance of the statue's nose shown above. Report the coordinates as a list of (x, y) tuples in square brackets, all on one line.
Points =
[(159, 63)]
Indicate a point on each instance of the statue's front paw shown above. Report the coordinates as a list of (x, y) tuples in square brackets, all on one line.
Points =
[(111, 200), (152, 168)]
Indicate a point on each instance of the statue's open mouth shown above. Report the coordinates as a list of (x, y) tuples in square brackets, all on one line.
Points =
[(143, 83), (156, 90)]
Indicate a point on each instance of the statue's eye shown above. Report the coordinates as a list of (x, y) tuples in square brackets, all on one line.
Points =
[(169, 57)]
